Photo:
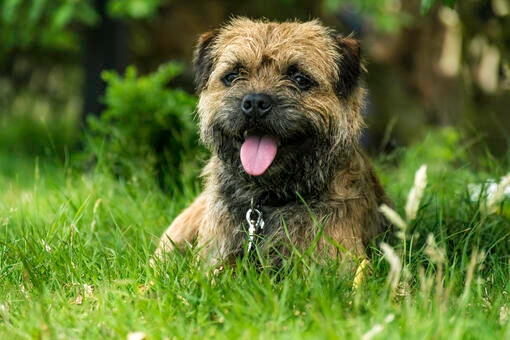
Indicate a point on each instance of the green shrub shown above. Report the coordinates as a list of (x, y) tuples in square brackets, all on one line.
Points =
[(147, 131)]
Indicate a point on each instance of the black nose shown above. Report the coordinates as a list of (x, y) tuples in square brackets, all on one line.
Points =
[(256, 105)]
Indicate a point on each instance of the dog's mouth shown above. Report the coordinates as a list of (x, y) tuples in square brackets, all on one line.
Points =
[(258, 152), (259, 149)]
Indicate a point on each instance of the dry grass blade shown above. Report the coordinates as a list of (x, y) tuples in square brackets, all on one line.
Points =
[(361, 273)]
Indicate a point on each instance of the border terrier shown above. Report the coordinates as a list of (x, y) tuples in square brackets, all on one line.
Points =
[(279, 109)]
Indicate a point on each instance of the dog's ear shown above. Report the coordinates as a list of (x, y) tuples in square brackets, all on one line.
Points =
[(349, 65), (203, 60)]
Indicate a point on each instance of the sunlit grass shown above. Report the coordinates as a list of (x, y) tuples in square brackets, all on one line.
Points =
[(75, 249)]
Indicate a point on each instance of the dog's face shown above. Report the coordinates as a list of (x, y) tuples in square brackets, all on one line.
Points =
[(276, 99)]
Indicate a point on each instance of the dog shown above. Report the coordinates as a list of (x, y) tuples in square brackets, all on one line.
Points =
[(279, 109)]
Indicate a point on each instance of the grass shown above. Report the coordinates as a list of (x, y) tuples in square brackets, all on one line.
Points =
[(75, 249)]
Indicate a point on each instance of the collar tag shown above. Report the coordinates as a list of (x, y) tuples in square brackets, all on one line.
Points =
[(255, 222)]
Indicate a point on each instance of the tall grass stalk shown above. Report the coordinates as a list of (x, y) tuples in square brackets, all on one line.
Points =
[(75, 248)]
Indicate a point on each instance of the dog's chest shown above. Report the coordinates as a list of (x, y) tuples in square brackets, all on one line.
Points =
[(289, 221)]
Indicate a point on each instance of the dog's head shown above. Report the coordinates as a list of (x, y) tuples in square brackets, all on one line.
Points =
[(278, 97)]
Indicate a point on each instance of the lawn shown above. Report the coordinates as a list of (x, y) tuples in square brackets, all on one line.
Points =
[(75, 246)]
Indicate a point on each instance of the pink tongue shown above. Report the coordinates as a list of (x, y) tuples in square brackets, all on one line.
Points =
[(257, 154)]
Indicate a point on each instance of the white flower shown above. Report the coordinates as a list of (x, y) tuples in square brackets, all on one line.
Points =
[(495, 197), (136, 336)]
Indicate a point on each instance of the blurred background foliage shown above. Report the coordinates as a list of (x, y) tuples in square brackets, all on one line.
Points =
[(431, 63), (146, 132)]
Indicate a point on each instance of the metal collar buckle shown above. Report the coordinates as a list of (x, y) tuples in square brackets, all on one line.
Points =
[(255, 222)]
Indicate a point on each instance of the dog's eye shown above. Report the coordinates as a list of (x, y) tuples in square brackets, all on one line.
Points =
[(229, 78), (302, 81)]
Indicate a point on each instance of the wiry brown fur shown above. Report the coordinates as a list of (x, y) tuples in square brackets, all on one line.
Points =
[(319, 161)]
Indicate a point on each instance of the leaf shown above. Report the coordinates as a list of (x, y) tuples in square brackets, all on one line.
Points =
[(63, 15), (86, 14), (426, 5), (9, 10), (449, 3), (37, 10)]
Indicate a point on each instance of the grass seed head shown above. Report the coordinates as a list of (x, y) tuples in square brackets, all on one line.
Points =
[(395, 265), (395, 219), (416, 193), (433, 251)]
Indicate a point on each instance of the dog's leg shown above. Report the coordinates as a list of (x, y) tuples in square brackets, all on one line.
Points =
[(184, 229)]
